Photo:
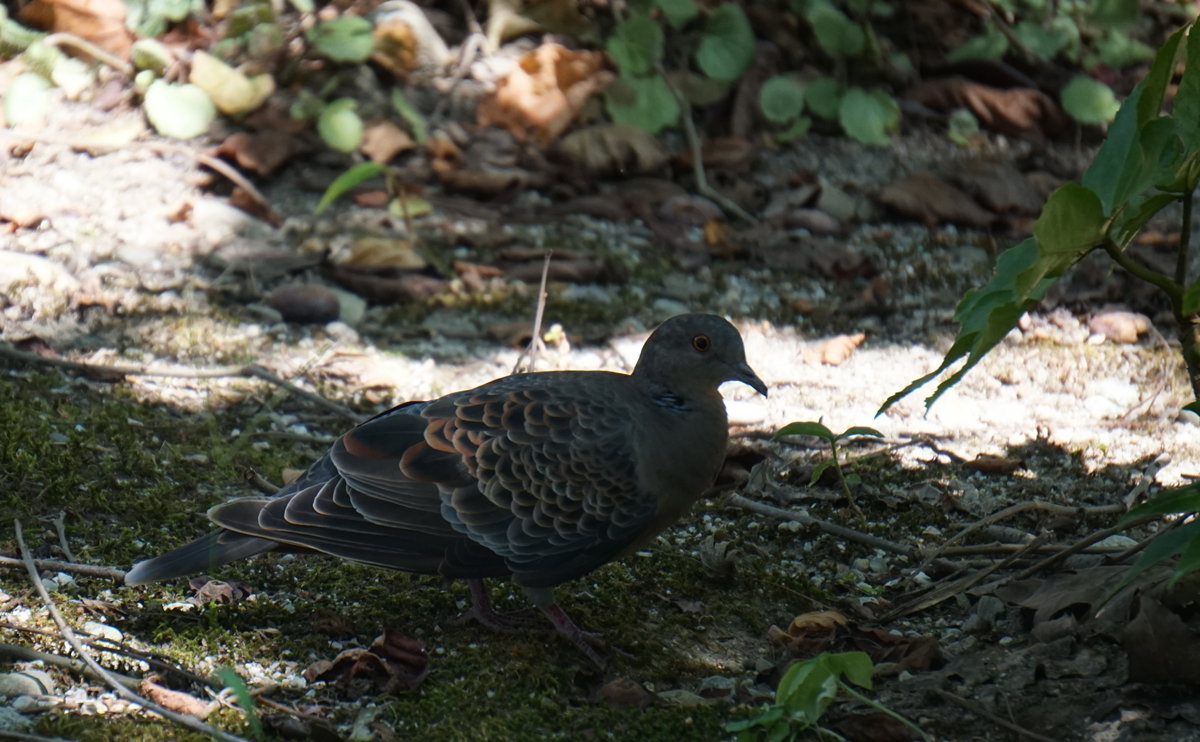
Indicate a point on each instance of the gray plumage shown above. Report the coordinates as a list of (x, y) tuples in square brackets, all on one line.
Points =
[(543, 476)]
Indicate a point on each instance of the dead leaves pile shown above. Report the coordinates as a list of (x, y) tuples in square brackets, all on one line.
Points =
[(392, 663), (809, 634)]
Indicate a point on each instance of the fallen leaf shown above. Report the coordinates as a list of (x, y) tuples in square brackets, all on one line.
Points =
[(444, 155), (926, 197), (835, 350), (406, 42), (1161, 647), (991, 464), (624, 693), (209, 590), (1119, 327), (914, 654), (997, 185), (731, 153), (384, 252), (173, 700), (372, 199), (545, 92), (815, 622), (393, 662), (383, 140), (263, 152), (1024, 113), (1077, 591), (613, 148), (493, 183), (101, 22)]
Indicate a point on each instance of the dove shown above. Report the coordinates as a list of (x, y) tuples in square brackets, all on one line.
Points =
[(539, 477)]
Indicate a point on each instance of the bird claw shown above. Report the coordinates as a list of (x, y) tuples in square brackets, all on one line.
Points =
[(508, 623)]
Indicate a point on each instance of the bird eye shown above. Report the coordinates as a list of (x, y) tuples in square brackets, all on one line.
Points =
[(701, 343)]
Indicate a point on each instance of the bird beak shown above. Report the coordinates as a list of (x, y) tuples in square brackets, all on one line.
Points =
[(743, 373)]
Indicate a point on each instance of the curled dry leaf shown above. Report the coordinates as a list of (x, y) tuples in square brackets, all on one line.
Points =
[(305, 303), (544, 93), (926, 197), (209, 590), (914, 654), (393, 662), (838, 348), (174, 700), (613, 148), (1162, 648), (1119, 327), (991, 464), (815, 622), (263, 152), (444, 155), (383, 140), (101, 22), (1023, 113)]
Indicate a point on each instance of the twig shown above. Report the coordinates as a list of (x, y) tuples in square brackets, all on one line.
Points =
[(23, 737), (214, 163), (535, 343), (848, 534), (184, 720), (89, 570), (1173, 290), (59, 522), (1075, 548), (689, 133), (25, 654), (111, 373), (980, 711), (71, 40), (470, 49), (261, 483)]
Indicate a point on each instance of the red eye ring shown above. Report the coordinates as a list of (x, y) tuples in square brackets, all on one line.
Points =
[(701, 343)]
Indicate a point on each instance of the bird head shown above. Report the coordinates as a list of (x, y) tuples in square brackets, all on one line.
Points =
[(697, 350)]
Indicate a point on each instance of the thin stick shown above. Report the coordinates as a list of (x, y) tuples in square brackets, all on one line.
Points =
[(689, 133), (535, 343), (59, 522), (184, 720), (980, 711), (90, 570), (113, 372), (71, 40)]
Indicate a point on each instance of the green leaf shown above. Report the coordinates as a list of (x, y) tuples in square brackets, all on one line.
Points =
[(1175, 501), (1089, 101), (1118, 50), (796, 130), (1156, 81), (1113, 13), (837, 34), (306, 106), (1191, 299), (344, 39), (963, 128), (1189, 561), (348, 180), (781, 99), (179, 111), (728, 44), (991, 45), (856, 666), (339, 126), (636, 45), (860, 430), (1129, 221), (28, 99), (1160, 549), (409, 113), (805, 428), (653, 106), (1044, 42), (811, 691), (869, 117), (677, 12), (304, 6), (244, 699), (779, 732), (1187, 98), (823, 97), (1072, 223), (819, 469)]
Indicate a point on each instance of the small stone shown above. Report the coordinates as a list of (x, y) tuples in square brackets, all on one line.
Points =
[(983, 615), (103, 631), (681, 698), (305, 303), (26, 683), (716, 686)]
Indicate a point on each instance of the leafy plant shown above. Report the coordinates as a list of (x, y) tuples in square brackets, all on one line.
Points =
[(234, 682), (1148, 162), (806, 691), (1183, 541), (819, 430), (1089, 101)]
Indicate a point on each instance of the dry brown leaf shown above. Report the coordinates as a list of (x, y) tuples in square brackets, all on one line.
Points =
[(614, 148), (383, 140), (914, 654), (393, 662), (835, 350), (263, 152), (101, 22), (372, 199), (1120, 327), (998, 186), (384, 253), (992, 464), (926, 197), (209, 590), (815, 622), (406, 42), (1162, 648), (173, 700), (545, 92), (1023, 113), (444, 155)]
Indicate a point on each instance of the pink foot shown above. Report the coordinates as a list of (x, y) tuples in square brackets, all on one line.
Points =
[(584, 640), (481, 611)]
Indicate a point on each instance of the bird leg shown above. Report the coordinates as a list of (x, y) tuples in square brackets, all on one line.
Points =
[(578, 637), (482, 612)]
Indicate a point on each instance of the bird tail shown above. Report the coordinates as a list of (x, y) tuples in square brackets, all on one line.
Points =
[(205, 553)]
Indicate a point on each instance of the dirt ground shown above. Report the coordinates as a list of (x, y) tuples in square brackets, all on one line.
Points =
[(114, 276)]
